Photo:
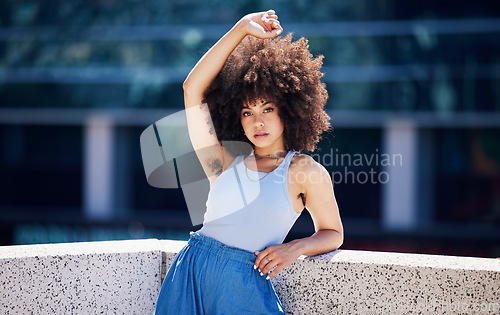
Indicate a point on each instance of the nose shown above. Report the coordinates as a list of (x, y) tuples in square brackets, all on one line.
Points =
[(258, 122)]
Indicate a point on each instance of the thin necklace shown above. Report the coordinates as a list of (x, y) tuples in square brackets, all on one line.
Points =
[(279, 155), (260, 156)]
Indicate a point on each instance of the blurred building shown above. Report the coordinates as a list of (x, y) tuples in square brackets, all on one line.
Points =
[(414, 99)]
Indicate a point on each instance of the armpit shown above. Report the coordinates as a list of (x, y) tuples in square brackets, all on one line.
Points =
[(215, 166), (303, 197)]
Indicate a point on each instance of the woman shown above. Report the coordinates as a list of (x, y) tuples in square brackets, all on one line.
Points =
[(250, 88)]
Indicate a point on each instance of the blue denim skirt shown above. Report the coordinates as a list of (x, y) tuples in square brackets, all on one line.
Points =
[(210, 277)]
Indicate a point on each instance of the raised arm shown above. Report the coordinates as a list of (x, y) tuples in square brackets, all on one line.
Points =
[(262, 25)]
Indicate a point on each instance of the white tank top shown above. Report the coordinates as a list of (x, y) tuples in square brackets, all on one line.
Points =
[(245, 212)]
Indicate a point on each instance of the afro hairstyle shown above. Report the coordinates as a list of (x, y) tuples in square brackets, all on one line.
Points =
[(279, 70)]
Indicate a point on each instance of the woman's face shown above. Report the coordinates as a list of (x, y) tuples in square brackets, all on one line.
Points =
[(262, 124)]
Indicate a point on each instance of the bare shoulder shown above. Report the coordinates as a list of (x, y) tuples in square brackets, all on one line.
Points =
[(309, 173), (305, 163)]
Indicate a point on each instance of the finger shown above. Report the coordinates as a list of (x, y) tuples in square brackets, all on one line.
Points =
[(271, 34), (269, 266), (272, 21), (278, 30), (265, 265), (266, 18), (258, 260), (269, 262), (272, 25), (269, 18), (276, 25), (267, 23), (274, 272)]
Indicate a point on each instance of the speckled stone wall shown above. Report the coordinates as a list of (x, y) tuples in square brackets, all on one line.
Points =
[(124, 277), (117, 277), (363, 282)]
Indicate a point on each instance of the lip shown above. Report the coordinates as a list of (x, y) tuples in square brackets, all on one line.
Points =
[(260, 135)]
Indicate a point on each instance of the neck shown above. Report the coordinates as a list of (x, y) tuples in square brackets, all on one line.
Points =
[(269, 153), (275, 149)]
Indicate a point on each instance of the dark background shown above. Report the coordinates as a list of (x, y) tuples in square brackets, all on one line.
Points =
[(434, 64)]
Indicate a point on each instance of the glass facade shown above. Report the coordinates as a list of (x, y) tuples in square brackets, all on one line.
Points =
[(433, 64), (468, 175)]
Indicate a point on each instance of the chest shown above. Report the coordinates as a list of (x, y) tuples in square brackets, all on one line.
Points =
[(295, 179), (269, 171)]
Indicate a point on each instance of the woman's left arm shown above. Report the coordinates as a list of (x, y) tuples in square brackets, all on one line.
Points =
[(322, 205), (320, 201)]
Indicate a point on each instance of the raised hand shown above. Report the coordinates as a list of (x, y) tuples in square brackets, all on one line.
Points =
[(262, 24)]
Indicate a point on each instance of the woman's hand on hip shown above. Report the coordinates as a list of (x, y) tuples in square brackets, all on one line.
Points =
[(277, 256), (262, 24)]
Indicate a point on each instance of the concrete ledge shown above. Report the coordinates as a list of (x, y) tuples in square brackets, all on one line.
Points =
[(364, 282), (118, 277), (121, 277)]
